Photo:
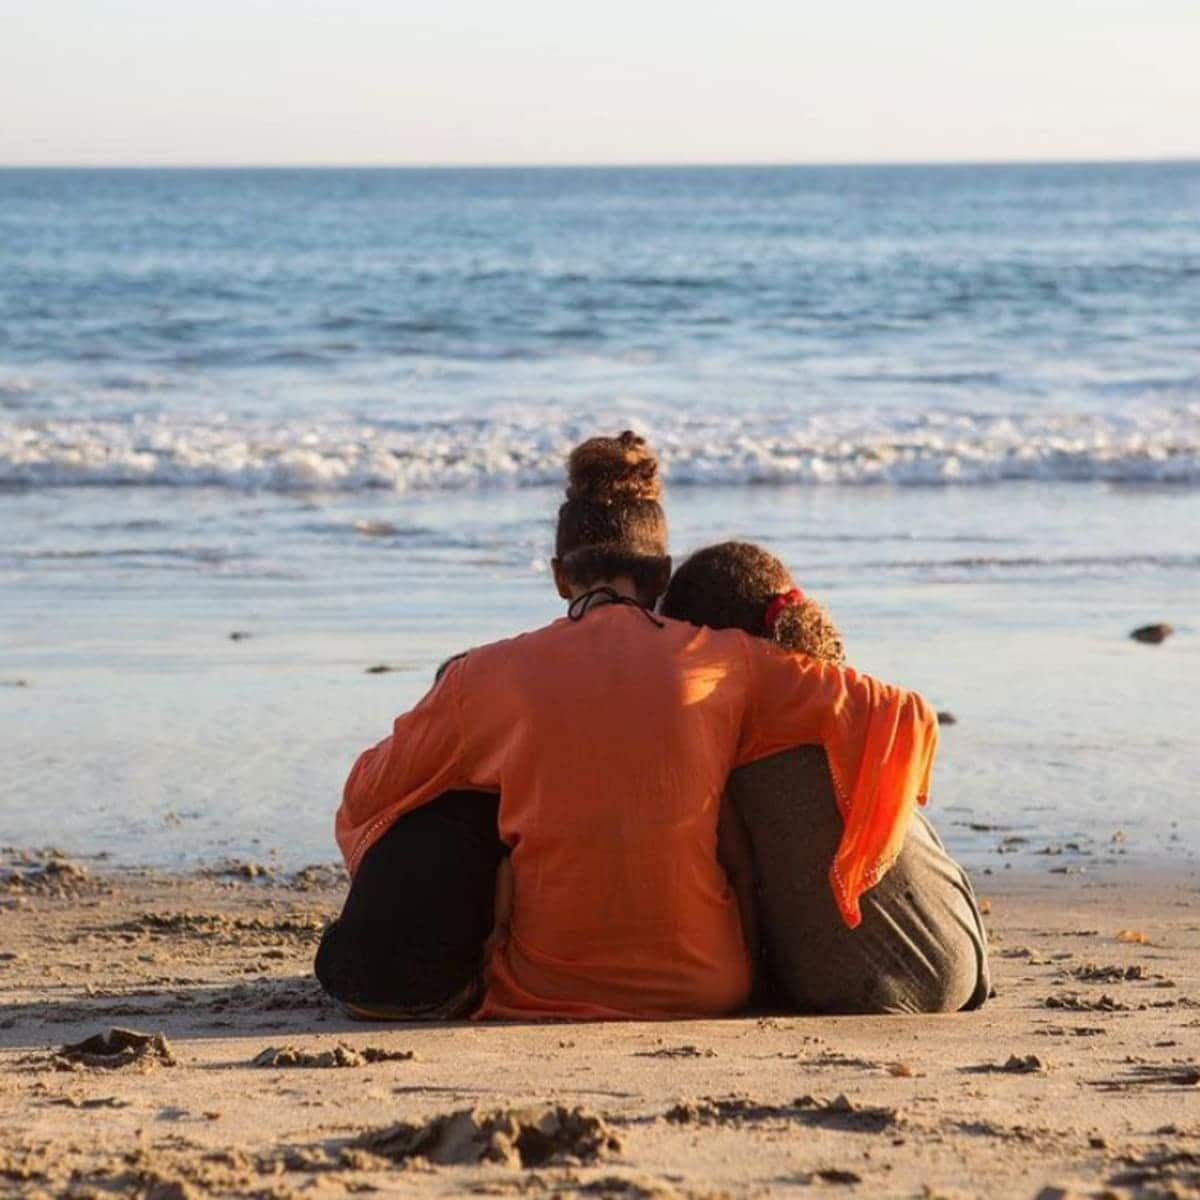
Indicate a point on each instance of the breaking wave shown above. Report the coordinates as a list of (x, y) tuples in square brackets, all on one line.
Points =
[(936, 448)]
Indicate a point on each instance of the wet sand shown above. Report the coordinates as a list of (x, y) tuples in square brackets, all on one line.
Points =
[(1082, 1077)]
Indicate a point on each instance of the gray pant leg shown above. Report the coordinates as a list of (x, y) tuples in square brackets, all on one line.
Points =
[(922, 925), (921, 946)]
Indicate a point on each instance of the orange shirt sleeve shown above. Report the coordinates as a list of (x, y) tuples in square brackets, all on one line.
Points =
[(425, 755), (880, 741)]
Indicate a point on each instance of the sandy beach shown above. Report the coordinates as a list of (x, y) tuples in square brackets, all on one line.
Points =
[(1081, 1078)]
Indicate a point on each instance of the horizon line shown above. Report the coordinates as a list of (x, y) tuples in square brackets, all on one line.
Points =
[(598, 165)]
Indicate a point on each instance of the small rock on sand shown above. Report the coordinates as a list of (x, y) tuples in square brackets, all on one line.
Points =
[(947, 718), (1152, 635), (833, 1175), (1024, 1064)]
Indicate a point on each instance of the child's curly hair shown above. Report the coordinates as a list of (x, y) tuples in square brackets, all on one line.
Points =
[(737, 585)]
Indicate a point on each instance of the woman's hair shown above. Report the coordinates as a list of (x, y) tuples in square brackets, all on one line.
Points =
[(612, 523), (737, 585)]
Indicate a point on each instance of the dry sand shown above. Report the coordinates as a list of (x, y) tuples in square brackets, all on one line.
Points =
[(1082, 1077)]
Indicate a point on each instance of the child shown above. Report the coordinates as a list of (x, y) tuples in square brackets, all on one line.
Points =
[(921, 947)]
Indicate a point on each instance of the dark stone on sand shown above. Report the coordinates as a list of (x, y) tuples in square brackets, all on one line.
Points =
[(1152, 635), (14, 683), (380, 669), (240, 635), (1027, 1064), (947, 718), (838, 1175)]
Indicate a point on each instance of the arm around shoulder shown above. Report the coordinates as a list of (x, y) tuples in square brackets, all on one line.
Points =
[(423, 757), (880, 741)]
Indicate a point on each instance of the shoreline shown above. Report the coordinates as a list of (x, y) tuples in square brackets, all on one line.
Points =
[(1071, 1078)]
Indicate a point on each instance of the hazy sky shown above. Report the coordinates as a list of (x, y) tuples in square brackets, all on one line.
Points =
[(559, 81)]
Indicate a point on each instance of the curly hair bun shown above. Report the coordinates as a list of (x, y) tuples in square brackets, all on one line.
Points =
[(611, 470)]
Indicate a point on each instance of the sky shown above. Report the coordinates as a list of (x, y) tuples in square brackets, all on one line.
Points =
[(382, 82)]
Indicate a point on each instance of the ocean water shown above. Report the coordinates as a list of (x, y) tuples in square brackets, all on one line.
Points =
[(329, 410)]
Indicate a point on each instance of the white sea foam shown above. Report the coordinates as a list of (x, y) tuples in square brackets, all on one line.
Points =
[(937, 447)]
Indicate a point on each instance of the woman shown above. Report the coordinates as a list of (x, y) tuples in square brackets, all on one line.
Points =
[(921, 946), (609, 736)]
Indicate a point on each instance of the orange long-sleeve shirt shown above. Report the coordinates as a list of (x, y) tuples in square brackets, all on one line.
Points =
[(610, 740)]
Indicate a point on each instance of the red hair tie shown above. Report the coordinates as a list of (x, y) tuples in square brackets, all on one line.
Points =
[(795, 596)]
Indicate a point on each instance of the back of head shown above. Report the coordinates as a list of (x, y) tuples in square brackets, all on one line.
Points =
[(612, 524), (737, 585)]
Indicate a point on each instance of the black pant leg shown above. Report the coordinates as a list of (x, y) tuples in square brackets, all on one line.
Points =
[(420, 907)]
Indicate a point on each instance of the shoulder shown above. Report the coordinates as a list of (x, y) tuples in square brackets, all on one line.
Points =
[(727, 652), (717, 642), (521, 646)]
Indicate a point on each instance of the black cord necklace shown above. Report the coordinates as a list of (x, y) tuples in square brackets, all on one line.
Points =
[(580, 605)]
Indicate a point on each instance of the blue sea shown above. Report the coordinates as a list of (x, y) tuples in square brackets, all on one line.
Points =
[(328, 409)]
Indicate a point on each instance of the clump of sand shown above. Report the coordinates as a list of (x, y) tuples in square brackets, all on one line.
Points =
[(340, 1056), (838, 1113), (116, 1048), (45, 873), (513, 1137)]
